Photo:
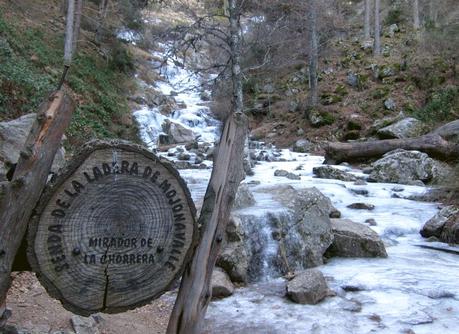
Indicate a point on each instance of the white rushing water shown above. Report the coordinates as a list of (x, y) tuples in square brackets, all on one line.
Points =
[(414, 290), (193, 113)]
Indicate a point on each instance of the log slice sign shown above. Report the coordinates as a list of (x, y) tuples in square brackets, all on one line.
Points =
[(114, 231)]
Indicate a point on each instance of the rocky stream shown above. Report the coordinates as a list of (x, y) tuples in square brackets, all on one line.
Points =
[(387, 283)]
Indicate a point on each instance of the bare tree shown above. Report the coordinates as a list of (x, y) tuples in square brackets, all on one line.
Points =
[(195, 292), (19, 197), (76, 30), (367, 19), (313, 54), (416, 20), (101, 17), (377, 44)]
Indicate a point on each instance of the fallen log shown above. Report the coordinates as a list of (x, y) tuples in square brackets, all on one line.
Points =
[(434, 145), (19, 197)]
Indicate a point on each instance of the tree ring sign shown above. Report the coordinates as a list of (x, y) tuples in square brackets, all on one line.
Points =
[(114, 231)]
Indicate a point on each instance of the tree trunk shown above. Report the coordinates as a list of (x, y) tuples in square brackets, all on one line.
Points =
[(195, 293), (313, 54), (433, 145), (367, 19), (433, 12), (76, 30), (69, 33), (103, 8), (377, 46), (19, 197), (416, 20)]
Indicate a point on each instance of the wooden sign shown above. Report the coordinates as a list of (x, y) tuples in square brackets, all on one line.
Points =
[(114, 231)]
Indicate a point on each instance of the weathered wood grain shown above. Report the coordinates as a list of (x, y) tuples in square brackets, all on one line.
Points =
[(19, 197), (114, 231), (194, 294)]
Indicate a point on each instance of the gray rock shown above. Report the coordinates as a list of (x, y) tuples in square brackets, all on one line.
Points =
[(352, 79), (391, 30), (351, 305), (302, 146), (360, 183), (367, 45), (292, 176), (389, 104), (361, 206), (178, 133), (354, 240), (221, 284), (371, 222), (405, 128), (434, 226), (308, 231), (405, 167), (449, 131), (308, 287), (244, 197), (328, 172), (234, 259), (450, 232), (358, 191), (281, 172), (13, 135), (184, 156), (84, 325)]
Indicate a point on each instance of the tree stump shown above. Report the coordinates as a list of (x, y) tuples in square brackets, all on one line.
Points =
[(114, 231)]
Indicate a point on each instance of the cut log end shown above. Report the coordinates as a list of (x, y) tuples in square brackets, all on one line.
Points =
[(114, 232)]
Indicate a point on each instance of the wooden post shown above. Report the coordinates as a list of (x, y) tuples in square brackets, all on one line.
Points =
[(19, 197), (114, 231), (194, 294)]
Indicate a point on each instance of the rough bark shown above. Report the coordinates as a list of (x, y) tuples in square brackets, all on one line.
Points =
[(367, 19), (313, 54), (433, 145), (19, 197), (195, 292), (377, 45), (69, 33)]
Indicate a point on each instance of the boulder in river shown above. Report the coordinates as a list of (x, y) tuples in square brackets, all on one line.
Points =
[(302, 146), (434, 226), (406, 128), (329, 172), (221, 284), (405, 167), (444, 225), (244, 197), (354, 240), (234, 259), (361, 206), (307, 287), (177, 133), (307, 234)]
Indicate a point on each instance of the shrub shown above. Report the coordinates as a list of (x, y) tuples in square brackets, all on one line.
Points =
[(442, 106)]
